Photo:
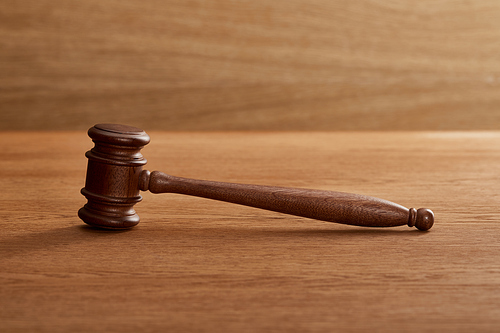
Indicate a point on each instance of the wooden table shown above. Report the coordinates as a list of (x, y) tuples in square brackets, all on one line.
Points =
[(195, 265)]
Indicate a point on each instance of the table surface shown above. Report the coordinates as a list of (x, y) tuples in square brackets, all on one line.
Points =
[(198, 265)]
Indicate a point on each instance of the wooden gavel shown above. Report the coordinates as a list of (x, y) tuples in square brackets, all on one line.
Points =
[(115, 178)]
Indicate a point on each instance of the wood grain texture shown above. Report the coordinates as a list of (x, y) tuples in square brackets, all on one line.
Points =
[(196, 265), (280, 65)]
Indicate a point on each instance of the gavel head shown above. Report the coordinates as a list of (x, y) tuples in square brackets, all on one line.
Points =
[(112, 184)]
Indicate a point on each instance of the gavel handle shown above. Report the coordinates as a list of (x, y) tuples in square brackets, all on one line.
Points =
[(339, 207)]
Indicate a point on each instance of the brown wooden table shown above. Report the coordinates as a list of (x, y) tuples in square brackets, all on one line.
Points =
[(195, 265)]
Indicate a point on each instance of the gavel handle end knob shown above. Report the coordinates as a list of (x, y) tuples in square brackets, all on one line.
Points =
[(422, 218)]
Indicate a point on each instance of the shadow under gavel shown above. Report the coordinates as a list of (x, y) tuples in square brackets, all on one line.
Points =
[(115, 178)]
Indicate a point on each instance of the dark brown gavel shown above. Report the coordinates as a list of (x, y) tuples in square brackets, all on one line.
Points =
[(115, 178)]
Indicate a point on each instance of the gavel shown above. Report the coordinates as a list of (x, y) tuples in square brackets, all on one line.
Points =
[(115, 178)]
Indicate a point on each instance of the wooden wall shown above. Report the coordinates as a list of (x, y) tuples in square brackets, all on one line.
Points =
[(259, 64)]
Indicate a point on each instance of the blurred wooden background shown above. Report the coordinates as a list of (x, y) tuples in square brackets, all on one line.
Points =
[(261, 65)]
